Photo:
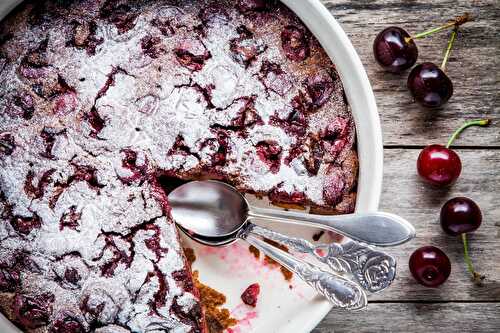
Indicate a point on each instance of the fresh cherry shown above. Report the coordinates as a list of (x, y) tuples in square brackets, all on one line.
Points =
[(459, 216), (430, 266), (429, 85), (395, 50), (440, 165)]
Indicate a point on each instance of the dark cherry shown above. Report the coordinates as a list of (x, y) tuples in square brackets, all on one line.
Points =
[(7, 144), (67, 322), (269, 152), (251, 5), (25, 225), (439, 165), (395, 50), (277, 195), (151, 46), (429, 85), (430, 266), (295, 43), (9, 279), (460, 215), (191, 61), (32, 312), (319, 88), (249, 296), (333, 187)]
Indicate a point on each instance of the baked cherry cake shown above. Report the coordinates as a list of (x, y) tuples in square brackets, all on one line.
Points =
[(106, 106)]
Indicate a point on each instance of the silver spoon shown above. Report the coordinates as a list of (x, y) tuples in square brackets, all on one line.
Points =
[(341, 292), (372, 269), (215, 209)]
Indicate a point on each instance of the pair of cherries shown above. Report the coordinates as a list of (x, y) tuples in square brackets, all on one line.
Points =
[(395, 50), (441, 166)]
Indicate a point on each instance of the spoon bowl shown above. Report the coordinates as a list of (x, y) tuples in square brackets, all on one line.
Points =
[(208, 208)]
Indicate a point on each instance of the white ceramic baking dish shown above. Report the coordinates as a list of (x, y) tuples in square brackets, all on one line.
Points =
[(305, 316)]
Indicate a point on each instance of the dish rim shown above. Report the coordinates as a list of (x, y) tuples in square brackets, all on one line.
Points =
[(363, 107)]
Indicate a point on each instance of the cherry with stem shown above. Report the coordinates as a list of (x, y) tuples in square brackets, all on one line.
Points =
[(395, 50), (460, 216), (429, 84), (440, 165)]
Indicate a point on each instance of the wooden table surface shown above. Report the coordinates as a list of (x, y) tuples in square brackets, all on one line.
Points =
[(458, 305)]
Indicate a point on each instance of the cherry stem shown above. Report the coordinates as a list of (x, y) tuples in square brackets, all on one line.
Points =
[(479, 122), (475, 275), (453, 37), (455, 23)]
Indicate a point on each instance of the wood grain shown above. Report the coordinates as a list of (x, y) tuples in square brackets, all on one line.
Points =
[(474, 66), (416, 317)]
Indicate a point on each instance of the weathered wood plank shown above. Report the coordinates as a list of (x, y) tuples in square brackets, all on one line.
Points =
[(414, 317), (474, 66), (406, 195)]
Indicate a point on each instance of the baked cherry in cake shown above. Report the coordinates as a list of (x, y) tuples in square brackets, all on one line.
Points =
[(107, 106)]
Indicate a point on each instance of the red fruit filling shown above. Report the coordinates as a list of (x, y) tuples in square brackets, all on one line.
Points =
[(32, 312), (10, 272), (269, 152), (98, 306), (191, 61), (67, 322), (37, 192), (151, 46), (83, 36), (279, 196), (7, 144), (294, 124), (320, 88), (23, 105), (49, 135), (130, 162), (26, 224), (251, 5), (119, 13), (70, 219), (273, 78), (164, 25), (245, 49), (249, 296), (295, 43), (333, 188)]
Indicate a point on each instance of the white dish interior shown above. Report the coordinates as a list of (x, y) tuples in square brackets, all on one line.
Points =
[(230, 270)]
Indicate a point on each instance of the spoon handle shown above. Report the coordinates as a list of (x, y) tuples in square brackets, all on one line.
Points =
[(340, 291), (374, 270), (375, 228)]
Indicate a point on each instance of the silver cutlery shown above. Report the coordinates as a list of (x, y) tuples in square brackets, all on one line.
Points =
[(340, 291), (373, 270), (216, 214), (221, 209)]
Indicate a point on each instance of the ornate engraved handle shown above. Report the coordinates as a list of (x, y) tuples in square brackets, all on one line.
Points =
[(340, 291), (373, 270)]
